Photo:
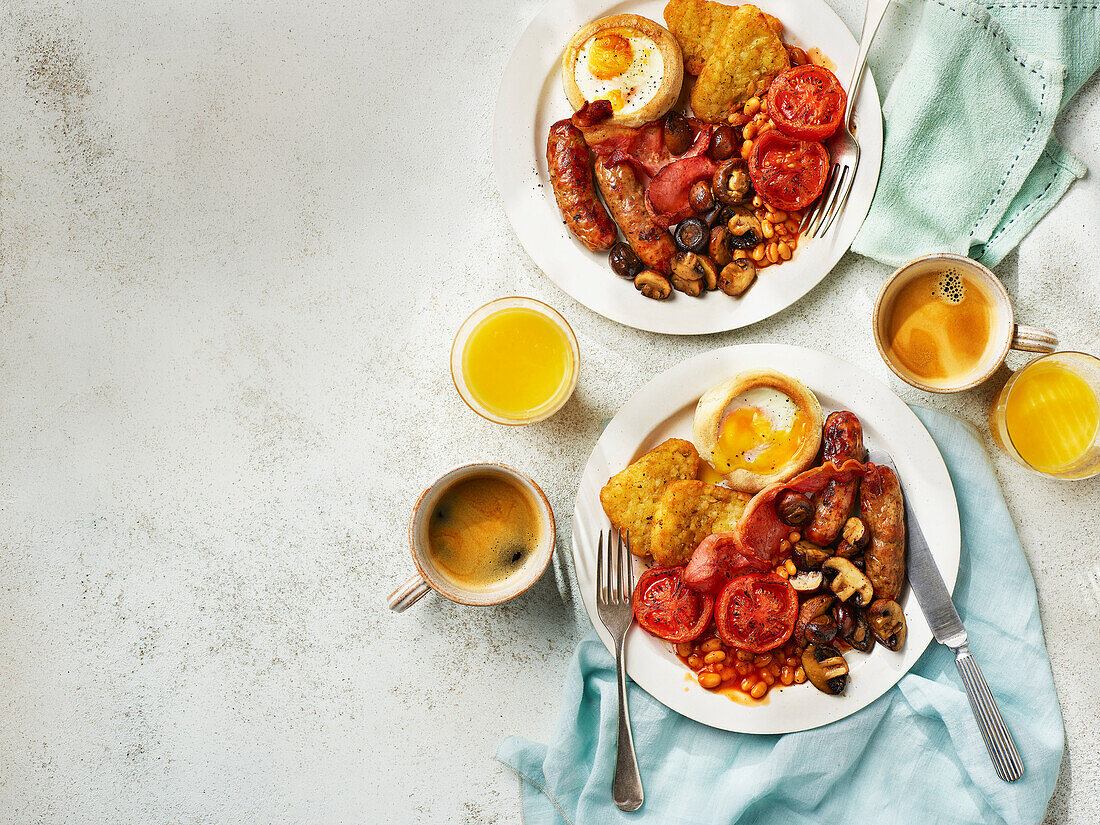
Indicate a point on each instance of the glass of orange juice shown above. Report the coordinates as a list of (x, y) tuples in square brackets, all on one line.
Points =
[(1047, 416), (515, 361)]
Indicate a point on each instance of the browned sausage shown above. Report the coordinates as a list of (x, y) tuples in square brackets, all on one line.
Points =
[(571, 175), (625, 197), (882, 507), (843, 439)]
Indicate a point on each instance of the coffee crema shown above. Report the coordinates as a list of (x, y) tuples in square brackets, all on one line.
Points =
[(937, 327), (482, 530)]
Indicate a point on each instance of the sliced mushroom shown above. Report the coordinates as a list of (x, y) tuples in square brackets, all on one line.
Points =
[(692, 273), (743, 221), (737, 276), (846, 550), (825, 668), (731, 181), (623, 260), (719, 247), (856, 533), (652, 284), (810, 610), (808, 581), (692, 234), (888, 623), (847, 581), (821, 630), (845, 616), (861, 638), (810, 556)]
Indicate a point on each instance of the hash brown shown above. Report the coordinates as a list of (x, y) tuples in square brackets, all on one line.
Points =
[(746, 58), (630, 497), (687, 513)]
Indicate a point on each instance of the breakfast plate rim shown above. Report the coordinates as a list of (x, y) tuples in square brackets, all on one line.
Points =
[(519, 166), (888, 424)]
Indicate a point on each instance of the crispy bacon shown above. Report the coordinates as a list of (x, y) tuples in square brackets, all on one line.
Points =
[(759, 530), (666, 197), (717, 560)]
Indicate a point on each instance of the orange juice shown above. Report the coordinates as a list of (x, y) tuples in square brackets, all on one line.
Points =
[(517, 364), (1052, 416)]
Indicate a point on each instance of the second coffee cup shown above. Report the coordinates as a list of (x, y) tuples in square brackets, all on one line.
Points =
[(944, 323)]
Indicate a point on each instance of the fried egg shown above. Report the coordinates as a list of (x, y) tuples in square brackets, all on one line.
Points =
[(628, 60), (619, 65), (761, 430), (757, 428)]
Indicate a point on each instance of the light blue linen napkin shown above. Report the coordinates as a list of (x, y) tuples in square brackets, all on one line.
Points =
[(913, 756), (969, 162)]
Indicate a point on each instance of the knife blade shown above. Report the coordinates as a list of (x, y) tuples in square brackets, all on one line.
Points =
[(935, 602)]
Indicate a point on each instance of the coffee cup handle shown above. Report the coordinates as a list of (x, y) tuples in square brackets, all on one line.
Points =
[(1033, 339), (408, 594)]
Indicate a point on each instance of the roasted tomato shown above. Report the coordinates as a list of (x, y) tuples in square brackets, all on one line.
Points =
[(756, 612), (787, 173), (807, 102), (666, 607)]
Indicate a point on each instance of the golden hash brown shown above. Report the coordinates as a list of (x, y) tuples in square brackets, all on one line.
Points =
[(687, 513), (746, 57), (630, 497), (698, 24)]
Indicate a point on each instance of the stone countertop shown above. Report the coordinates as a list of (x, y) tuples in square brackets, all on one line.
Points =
[(236, 241)]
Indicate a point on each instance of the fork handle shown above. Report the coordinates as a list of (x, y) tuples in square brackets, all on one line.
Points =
[(626, 788), (995, 733), (876, 9)]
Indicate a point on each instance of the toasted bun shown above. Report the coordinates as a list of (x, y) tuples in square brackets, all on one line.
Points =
[(668, 92), (711, 411)]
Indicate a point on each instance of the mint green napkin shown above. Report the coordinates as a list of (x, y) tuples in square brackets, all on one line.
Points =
[(913, 756), (969, 163)]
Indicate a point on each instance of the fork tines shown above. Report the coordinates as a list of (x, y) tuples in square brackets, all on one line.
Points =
[(830, 203), (615, 577)]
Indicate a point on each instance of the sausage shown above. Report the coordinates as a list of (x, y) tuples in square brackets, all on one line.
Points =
[(625, 197), (843, 439), (882, 508), (571, 175)]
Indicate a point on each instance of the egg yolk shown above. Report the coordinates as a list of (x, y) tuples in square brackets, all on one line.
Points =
[(747, 441), (610, 56), (617, 98)]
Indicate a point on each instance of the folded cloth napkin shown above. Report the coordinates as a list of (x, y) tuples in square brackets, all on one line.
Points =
[(912, 756), (969, 164)]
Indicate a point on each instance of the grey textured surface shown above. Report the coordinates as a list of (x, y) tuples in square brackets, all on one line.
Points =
[(235, 243)]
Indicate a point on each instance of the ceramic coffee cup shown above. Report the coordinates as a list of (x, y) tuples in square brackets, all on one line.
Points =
[(1003, 333), (429, 577)]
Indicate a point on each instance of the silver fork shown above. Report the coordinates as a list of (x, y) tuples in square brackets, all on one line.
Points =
[(831, 202), (614, 590)]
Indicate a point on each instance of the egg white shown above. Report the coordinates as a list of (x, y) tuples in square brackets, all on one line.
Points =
[(778, 407), (639, 83)]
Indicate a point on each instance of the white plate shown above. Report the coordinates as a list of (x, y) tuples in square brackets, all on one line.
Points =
[(663, 409), (531, 99)]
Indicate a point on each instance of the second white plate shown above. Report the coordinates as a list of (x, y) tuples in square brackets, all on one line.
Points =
[(663, 409), (531, 99)]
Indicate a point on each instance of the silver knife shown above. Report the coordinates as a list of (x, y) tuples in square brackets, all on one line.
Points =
[(935, 602)]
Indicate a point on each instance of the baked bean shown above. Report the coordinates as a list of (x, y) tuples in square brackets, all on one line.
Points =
[(684, 649), (744, 656), (784, 251), (791, 569), (773, 252), (746, 149), (743, 669), (749, 132), (787, 676), (763, 660), (768, 677), (753, 106), (784, 546), (694, 662), (799, 676), (715, 656), (792, 225), (757, 202), (782, 573), (793, 538), (727, 673), (747, 683), (710, 680), (758, 252), (739, 254), (758, 690), (710, 645), (767, 229)]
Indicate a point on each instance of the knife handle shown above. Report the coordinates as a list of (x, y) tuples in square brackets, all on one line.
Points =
[(998, 740)]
